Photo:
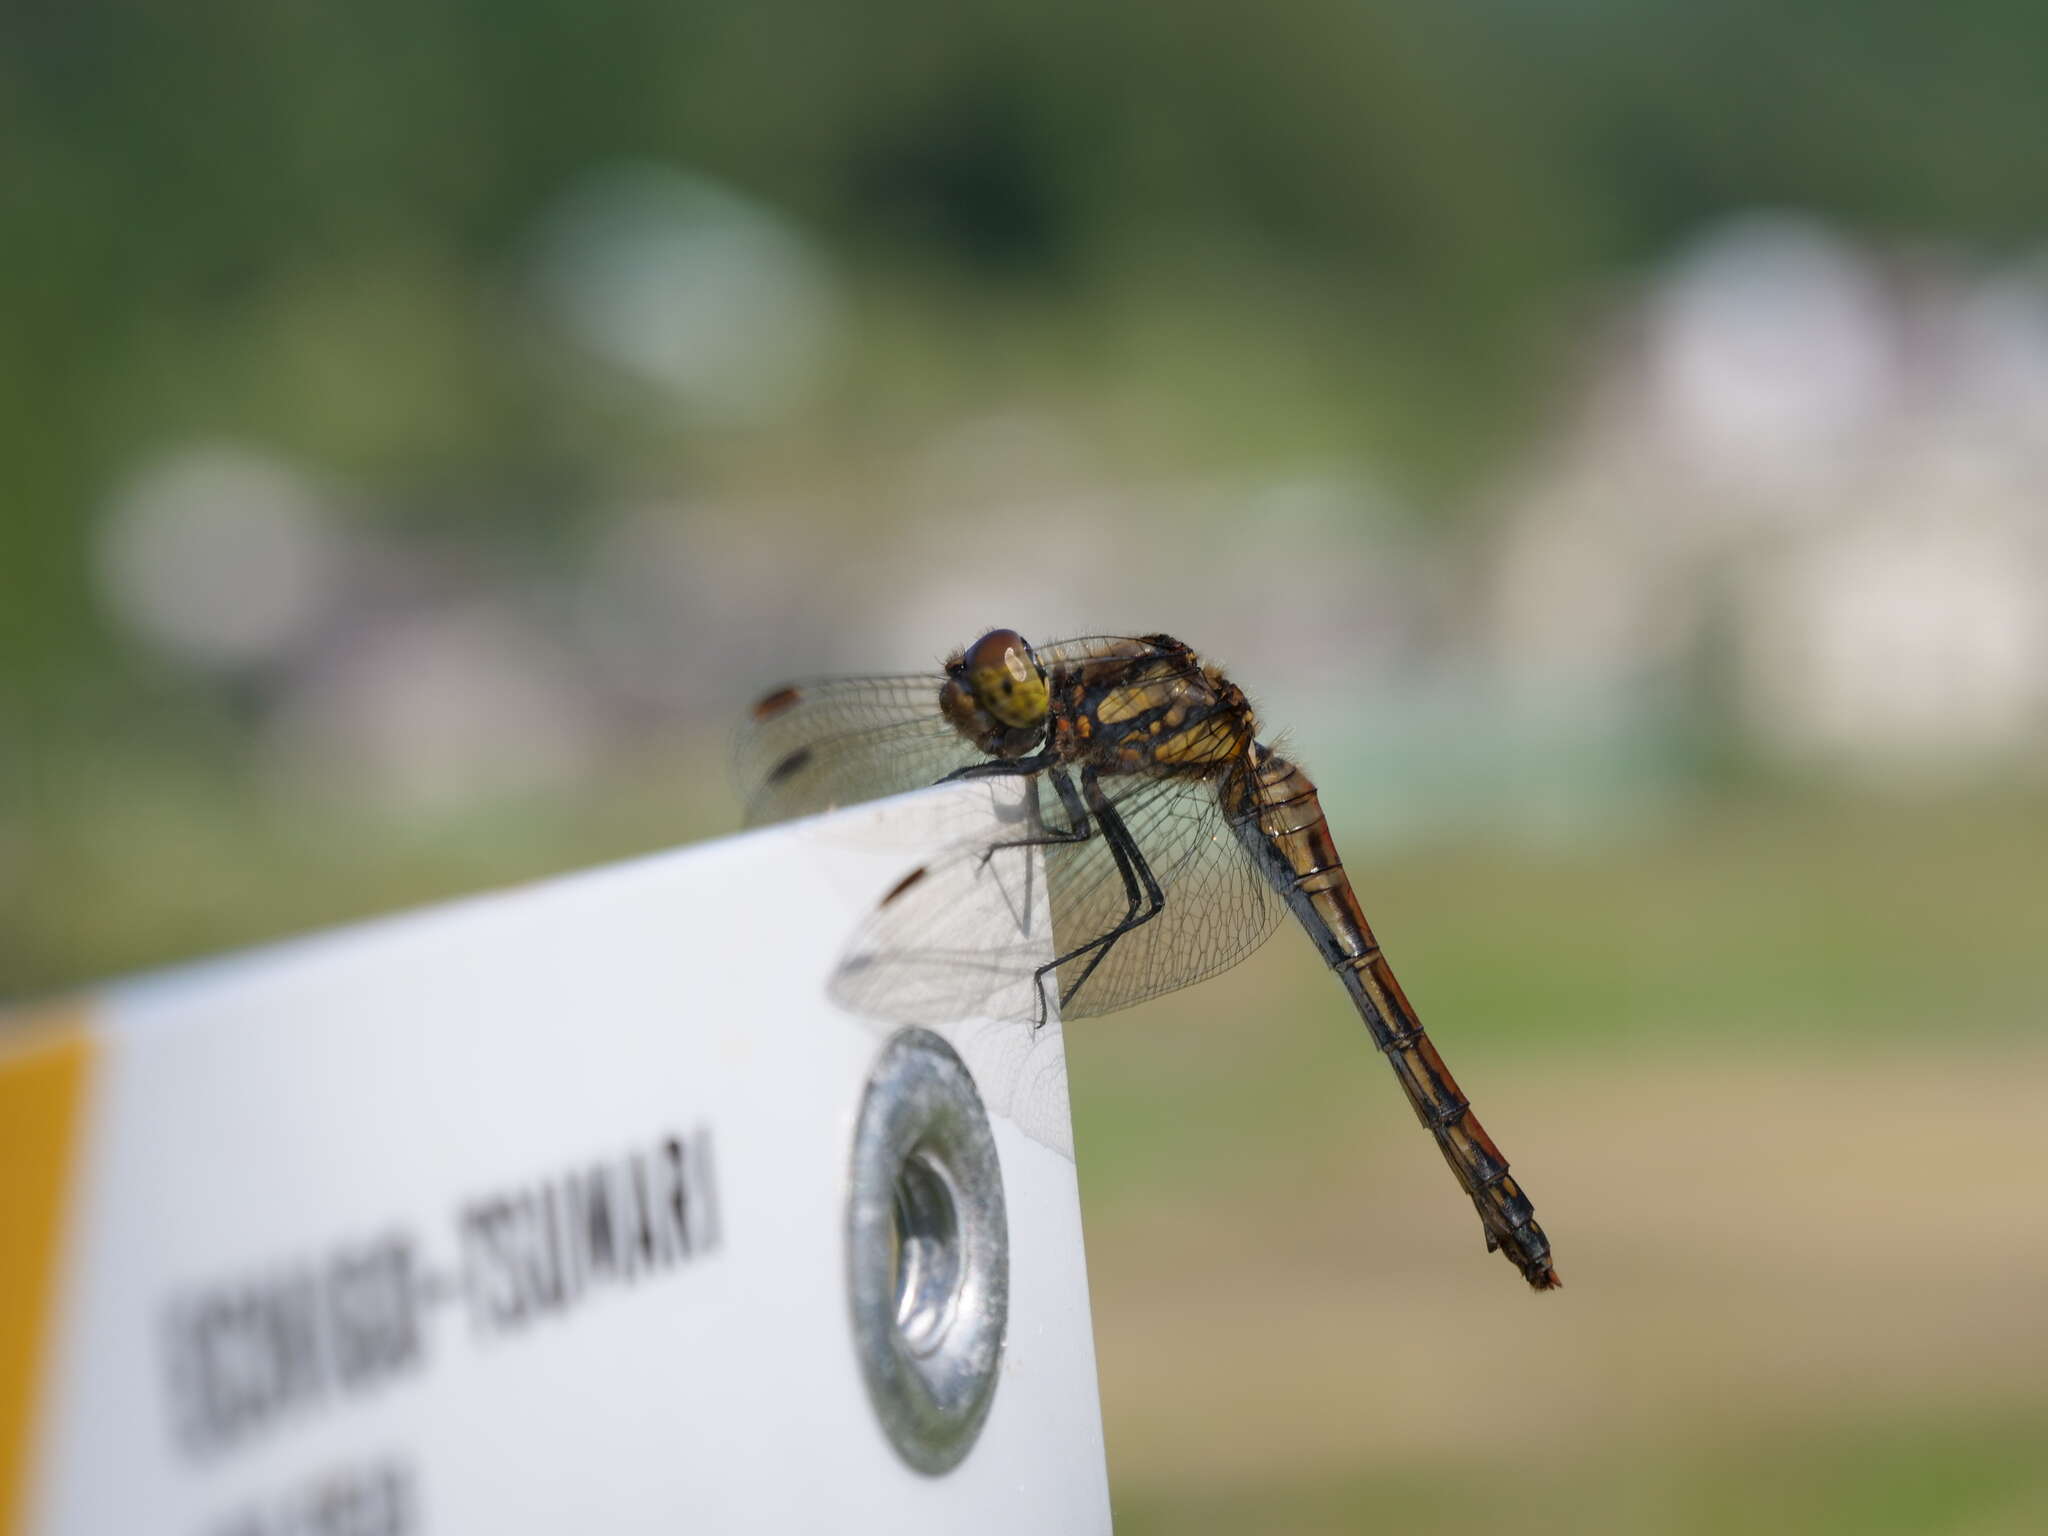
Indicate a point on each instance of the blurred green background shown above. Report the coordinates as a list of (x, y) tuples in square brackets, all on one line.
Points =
[(1611, 442)]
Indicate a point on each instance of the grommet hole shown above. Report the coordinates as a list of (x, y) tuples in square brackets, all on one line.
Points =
[(925, 1243), (927, 1250)]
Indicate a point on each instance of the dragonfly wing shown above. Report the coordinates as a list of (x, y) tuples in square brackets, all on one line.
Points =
[(1218, 906), (959, 935), (1082, 649), (838, 741), (956, 946), (966, 933)]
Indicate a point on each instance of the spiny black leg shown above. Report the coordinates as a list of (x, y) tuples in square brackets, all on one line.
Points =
[(1070, 802), (1134, 864), (1097, 949), (1099, 946), (1001, 768), (1131, 865), (1078, 830), (1009, 768)]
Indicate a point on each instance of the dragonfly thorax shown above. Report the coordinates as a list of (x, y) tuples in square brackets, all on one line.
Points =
[(1150, 707)]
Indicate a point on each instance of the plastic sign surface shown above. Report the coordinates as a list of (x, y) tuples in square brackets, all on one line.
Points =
[(523, 1214)]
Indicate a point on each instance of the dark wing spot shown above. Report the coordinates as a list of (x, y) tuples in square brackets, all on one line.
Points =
[(790, 766), (777, 702), (904, 884)]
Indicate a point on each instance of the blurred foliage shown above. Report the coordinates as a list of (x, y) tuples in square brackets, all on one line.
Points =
[(295, 222)]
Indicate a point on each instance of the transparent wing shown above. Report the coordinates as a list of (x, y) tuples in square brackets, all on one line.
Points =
[(954, 947), (1085, 648), (966, 933), (827, 742), (837, 741), (1218, 906)]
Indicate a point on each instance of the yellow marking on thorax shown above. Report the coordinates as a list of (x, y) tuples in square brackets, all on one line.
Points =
[(1208, 741), (1135, 699)]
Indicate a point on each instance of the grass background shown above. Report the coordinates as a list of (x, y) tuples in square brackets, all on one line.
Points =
[(1775, 1084)]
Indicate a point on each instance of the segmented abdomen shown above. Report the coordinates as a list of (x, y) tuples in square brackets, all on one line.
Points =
[(1280, 820)]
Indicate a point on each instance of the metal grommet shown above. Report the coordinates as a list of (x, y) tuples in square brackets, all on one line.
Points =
[(927, 1251)]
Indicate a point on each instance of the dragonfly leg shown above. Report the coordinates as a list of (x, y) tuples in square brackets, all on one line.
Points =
[(1002, 768), (1078, 828), (1141, 890)]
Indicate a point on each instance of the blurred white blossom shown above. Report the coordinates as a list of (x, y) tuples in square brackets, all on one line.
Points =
[(1772, 346), (1826, 490), (690, 287), (436, 712), (691, 609), (219, 555)]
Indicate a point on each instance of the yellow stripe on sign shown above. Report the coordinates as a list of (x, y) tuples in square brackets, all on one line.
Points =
[(44, 1063)]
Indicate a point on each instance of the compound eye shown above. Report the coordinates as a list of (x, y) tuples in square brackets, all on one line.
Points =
[(1006, 679)]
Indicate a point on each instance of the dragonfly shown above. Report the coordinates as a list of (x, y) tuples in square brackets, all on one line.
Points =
[(1173, 843)]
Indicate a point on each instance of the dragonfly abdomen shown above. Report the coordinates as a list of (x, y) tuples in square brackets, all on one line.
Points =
[(1281, 822)]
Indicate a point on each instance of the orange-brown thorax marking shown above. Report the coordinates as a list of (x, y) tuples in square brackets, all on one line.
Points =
[(1149, 711)]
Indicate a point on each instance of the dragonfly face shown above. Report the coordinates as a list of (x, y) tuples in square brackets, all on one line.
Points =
[(995, 694)]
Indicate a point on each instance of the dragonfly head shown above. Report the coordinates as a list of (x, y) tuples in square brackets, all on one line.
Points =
[(996, 694)]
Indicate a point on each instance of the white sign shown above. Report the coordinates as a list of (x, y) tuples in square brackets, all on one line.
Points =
[(528, 1214)]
